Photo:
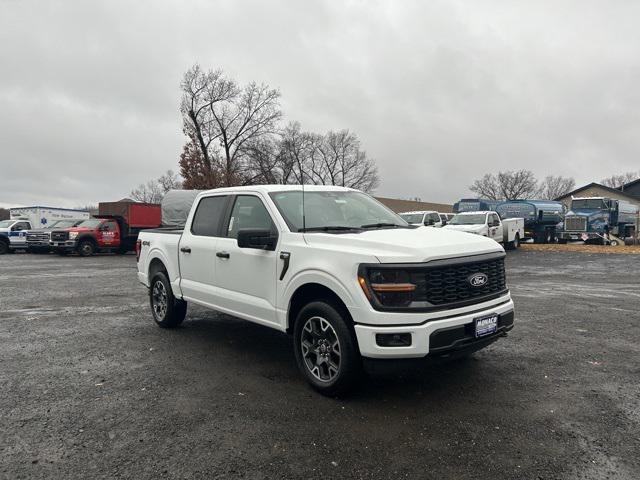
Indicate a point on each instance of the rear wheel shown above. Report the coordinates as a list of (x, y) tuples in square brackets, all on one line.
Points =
[(86, 248), (515, 244), (167, 311), (4, 247), (326, 349)]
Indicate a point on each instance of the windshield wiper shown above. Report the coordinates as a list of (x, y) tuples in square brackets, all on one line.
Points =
[(328, 228), (381, 225)]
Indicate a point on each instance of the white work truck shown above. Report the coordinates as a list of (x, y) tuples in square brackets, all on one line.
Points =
[(428, 218), (348, 278), (507, 231)]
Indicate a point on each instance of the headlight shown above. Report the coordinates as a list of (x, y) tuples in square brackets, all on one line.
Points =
[(73, 235), (387, 287)]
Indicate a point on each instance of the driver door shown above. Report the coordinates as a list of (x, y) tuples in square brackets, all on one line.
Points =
[(495, 227), (18, 235)]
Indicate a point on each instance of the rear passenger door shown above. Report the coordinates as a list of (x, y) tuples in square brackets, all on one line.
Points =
[(197, 250), (246, 277)]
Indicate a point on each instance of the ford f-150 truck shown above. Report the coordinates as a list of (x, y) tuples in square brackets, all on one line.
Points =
[(508, 231), (343, 274)]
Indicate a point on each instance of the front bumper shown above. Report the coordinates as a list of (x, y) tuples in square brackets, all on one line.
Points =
[(435, 337), (579, 235), (64, 245)]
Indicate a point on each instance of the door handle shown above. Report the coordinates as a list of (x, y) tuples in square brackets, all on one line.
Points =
[(286, 256), (185, 250), (222, 254)]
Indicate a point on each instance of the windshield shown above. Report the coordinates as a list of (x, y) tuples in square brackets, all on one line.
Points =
[(328, 209), (588, 204), (412, 217), (91, 223), (474, 219), (6, 223), (63, 224)]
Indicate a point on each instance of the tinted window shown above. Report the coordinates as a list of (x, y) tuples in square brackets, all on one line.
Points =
[(432, 217), (249, 213), (206, 220), (110, 226)]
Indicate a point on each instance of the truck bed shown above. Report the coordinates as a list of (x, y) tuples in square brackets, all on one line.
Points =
[(166, 241)]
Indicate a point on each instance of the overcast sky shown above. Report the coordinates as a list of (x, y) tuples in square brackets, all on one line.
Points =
[(438, 92)]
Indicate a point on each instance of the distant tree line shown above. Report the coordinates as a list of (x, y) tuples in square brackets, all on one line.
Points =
[(153, 191), (520, 184), (4, 214), (617, 181), (236, 137)]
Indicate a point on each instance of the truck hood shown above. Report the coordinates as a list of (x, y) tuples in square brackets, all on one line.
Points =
[(584, 213), (465, 228), (400, 245)]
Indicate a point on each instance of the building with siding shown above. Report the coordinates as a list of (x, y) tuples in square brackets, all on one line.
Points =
[(629, 193)]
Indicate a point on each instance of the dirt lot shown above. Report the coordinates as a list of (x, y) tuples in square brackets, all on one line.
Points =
[(90, 388), (582, 248)]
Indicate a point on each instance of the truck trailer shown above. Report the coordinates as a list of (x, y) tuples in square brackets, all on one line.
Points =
[(543, 219)]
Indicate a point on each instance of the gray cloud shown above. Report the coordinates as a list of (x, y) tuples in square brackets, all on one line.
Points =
[(439, 92)]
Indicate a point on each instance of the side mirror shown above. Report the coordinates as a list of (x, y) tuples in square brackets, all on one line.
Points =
[(430, 222), (444, 223), (259, 239)]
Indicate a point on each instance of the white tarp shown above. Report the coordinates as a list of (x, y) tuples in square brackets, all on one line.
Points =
[(176, 205)]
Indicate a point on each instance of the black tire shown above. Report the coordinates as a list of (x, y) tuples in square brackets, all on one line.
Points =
[(562, 241), (171, 313), (4, 247), (337, 340), (86, 248), (515, 244)]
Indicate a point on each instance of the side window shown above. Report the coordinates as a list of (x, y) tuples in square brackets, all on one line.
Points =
[(109, 226), (206, 220), (21, 226), (494, 219), (248, 213)]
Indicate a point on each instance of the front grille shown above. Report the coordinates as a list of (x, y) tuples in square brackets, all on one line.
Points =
[(575, 224), (450, 284), (38, 237), (60, 236)]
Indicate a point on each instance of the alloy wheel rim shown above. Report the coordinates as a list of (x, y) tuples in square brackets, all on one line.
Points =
[(321, 350), (159, 299)]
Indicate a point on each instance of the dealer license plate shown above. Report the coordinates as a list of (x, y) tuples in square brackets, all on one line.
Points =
[(486, 325)]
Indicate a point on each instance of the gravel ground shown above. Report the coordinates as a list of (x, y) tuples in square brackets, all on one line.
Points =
[(90, 388)]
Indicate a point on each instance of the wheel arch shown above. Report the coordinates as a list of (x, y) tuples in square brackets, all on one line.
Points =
[(314, 291)]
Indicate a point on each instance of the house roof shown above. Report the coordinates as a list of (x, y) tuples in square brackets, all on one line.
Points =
[(629, 184), (617, 191)]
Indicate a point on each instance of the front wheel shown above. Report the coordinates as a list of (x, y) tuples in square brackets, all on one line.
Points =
[(86, 248), (4, 247), (326, 349), (167, 310)]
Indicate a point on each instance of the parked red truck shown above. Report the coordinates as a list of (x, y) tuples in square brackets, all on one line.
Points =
[(114, 229)]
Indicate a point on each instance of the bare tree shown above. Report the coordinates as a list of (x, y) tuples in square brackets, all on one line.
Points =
[(553, 187), (487, 187), (510, 185), (227, 121), (153, 191), (4, 214), (616, 181)]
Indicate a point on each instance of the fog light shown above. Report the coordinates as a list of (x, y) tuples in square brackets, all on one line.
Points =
[(393, 339)]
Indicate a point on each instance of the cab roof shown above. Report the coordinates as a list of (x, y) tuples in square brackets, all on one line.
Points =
[(281, 188)]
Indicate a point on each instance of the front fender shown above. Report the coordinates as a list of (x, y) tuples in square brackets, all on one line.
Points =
[(320, 277)]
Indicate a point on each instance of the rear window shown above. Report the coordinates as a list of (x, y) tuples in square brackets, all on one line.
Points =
[(206, 220)]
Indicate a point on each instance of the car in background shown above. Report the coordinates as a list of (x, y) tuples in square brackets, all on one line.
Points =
[(507, 231), (427, 218)]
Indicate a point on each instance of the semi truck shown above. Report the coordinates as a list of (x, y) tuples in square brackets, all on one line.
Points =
[(543, 219), (345, 276), (507, 231), (13, 232), (599, 220), (114, 229)]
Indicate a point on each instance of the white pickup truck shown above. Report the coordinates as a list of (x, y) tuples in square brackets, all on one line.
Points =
[(508, 231), (343, 274)]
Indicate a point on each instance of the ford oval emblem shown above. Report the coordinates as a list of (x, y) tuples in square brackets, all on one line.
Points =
[(478, 280)]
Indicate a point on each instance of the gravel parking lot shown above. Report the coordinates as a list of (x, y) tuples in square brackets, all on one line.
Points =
[(91, 388)]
